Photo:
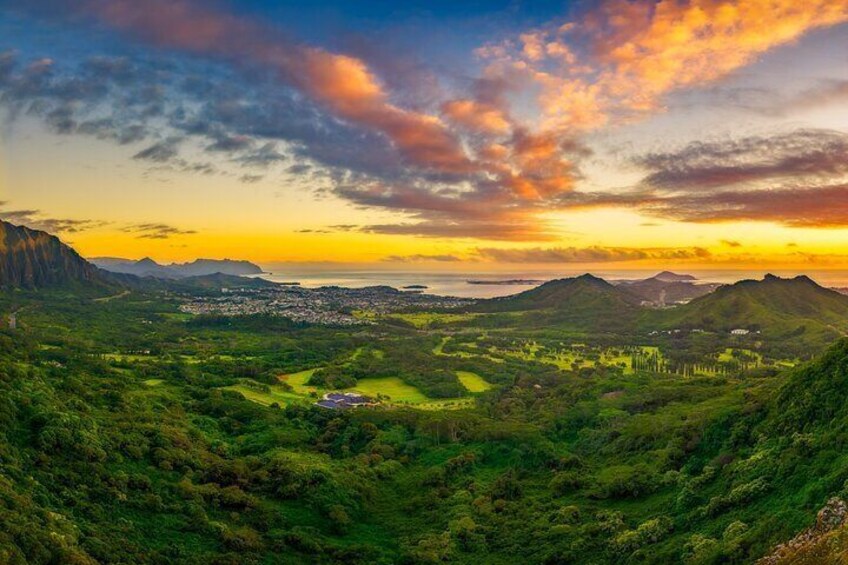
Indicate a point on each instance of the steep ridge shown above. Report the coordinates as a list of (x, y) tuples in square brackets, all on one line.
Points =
[(32, 259)]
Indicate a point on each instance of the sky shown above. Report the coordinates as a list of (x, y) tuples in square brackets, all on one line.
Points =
[(480, 135)]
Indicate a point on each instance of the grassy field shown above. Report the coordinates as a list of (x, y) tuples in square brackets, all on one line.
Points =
[(472, 381), (298, 381), (393, 387), (267, 397), (423, 320)]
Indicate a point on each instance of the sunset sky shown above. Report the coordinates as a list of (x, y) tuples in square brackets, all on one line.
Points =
[(486, 134)]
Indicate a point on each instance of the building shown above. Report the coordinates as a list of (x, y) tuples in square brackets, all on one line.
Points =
[(337, 400), (740, 331)]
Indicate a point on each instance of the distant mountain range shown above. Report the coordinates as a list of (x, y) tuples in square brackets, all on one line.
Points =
[(32, 259), (149, 268), (667, 289), (796, 309)]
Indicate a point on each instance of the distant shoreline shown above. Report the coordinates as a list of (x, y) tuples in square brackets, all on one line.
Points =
[(521, 282)]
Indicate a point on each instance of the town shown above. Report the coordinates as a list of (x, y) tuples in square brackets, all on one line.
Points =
[(329, 305)]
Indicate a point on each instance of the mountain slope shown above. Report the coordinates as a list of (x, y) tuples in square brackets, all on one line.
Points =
[(660, 292), (777, 307), (585, 293), (33, 259), (668, 276), (581, 303)]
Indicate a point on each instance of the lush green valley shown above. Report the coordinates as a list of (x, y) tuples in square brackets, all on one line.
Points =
[(134, 433)]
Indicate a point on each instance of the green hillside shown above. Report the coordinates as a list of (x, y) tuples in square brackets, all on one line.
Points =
[(584, 302), (779, 308)]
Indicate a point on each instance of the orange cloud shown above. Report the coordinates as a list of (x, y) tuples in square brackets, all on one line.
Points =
[(476, 116), (641, 51)]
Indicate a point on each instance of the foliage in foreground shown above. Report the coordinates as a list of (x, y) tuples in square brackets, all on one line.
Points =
[(151, 460)]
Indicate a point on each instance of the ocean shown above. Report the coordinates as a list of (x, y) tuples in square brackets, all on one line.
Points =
[(456, 283)]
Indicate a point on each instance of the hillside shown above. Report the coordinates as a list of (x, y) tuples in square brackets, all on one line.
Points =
[(584, 303), (585, 293), (668, 276), (147, 267), (661, 292), (34, 259), (777, 307)]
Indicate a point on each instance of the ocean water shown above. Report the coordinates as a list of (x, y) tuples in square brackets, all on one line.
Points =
[(456, 283)]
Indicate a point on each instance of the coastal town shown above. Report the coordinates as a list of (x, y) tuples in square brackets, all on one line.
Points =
[(331, 305)]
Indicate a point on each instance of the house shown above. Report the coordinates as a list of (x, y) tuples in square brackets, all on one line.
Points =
[(341, 400), (740, 331)]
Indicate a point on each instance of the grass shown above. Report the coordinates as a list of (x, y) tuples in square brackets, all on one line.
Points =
[(393, 387), (298, 381), (472, 381), (129, 357), (266, 398), (422, 320), (154, 382)]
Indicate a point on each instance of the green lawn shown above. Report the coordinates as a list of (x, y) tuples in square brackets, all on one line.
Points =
[(472, 381), (397, 391), (298, 381), (266, 398), (393, 387), (426, 319)]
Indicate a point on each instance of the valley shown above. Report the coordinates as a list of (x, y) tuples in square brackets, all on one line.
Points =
[(567, 421)]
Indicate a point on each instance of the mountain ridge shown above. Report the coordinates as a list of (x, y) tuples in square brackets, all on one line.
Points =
[(33, 259), (148, 267)]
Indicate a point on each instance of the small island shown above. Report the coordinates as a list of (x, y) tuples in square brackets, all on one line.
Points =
[(506, 282)]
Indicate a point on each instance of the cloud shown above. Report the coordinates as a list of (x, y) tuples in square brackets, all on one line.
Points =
[(418, 258), (819, 207), (330, 106), (730, 243), (341, 83), (802, 154), (156, 231), (36, 220), (823, 94), (594, 254), (476, 116), (798, 179), (161, 151), (454, 164), (620, 59), (251, 179)]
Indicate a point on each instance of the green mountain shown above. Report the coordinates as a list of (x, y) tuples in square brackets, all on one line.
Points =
[(585, 303), (586, 293), (777, 307), (33, 259)]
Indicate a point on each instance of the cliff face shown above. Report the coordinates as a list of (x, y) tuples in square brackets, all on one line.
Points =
[(825, 542), (35, 259)]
